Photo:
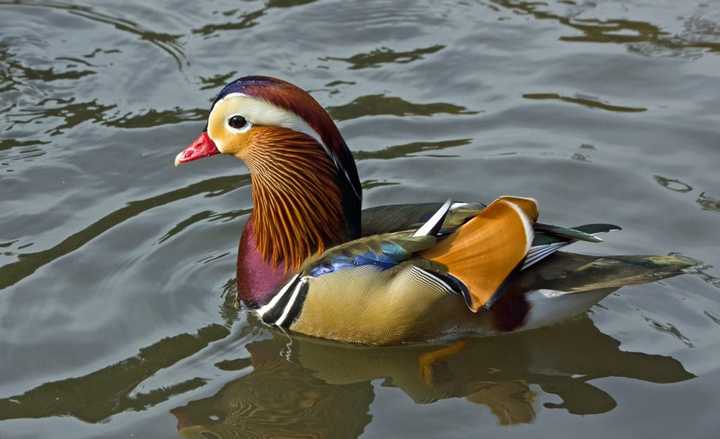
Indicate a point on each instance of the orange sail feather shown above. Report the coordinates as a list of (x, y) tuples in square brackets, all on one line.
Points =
[(485, 250)]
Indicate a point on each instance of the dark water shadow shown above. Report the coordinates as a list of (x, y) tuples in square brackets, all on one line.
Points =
[(168, 43), (6, 144), (14, 73), (154, 118), (205, 215), (628, 32), (70, 111), (246, 20), (28, 263), (288, 3), (384, 55), (407, 149), (217, 81), (380, 105), (98, 395), (585, 101), (303, 387)]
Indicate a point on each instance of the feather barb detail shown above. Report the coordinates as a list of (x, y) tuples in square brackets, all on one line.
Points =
[(298, 209)]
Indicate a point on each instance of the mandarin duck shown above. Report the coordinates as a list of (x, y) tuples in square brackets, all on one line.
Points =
[(311, 261)]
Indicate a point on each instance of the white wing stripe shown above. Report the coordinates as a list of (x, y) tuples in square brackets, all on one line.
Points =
[(437, 217), (271, 304)]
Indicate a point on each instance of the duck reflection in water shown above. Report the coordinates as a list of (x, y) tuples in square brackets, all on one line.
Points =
[(307, 387), (304, 387)]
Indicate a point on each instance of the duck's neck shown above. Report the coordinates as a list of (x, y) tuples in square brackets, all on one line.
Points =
[(299, 210)]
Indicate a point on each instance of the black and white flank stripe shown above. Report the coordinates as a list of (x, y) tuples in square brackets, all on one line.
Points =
[(444, 282), (286, 305)]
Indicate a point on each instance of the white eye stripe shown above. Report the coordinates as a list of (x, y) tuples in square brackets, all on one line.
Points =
[(259, 112)]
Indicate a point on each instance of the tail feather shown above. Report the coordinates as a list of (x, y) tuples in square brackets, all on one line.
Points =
[(597, 228), (484, 251), (573, 273), (549, 239), (576, 234), (568, 284)]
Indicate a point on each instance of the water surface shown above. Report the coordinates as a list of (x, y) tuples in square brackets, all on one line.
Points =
[(114, 266)]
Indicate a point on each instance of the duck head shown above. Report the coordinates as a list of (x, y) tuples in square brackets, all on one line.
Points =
[(306, 191), (252, 106)]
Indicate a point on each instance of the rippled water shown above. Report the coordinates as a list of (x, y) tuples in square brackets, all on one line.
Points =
[(114, 266)]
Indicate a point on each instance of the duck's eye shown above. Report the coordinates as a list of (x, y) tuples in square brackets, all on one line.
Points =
[(237, 122)]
